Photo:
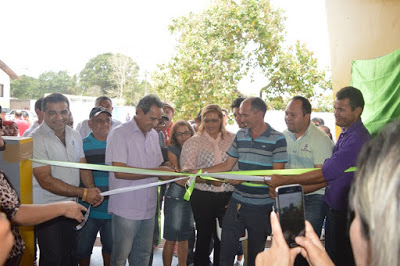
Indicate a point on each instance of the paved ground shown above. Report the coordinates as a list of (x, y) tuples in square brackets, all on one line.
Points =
[(97, 260)]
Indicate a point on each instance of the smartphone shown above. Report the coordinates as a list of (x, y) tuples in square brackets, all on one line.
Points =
[(290, 203)]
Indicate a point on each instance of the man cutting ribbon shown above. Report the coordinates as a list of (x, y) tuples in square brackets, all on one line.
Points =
[(134, 144), (54, 140)]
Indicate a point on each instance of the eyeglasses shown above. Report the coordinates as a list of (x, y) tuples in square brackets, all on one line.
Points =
[(180, 134), (209, 121)]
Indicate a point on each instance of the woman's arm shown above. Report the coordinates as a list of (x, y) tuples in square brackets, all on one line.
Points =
[(31, 214), (174, 160)]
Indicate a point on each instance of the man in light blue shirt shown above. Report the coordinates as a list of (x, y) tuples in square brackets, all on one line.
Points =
[(307, 147)]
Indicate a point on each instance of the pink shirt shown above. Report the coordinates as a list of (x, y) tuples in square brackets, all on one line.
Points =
[(202, 151), (127, 144)]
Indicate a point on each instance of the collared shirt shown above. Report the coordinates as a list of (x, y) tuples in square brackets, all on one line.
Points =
[(203, 151), (127, 144), (47, 146), (257, 154), (344, 156), (29, 131), (84, 129), (308, 150), (95, 153)]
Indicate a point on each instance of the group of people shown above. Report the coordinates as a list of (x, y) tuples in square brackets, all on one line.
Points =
[(151, 140), (17, 126)]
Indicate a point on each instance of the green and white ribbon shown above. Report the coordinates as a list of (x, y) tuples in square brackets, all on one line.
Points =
[(249, 176)]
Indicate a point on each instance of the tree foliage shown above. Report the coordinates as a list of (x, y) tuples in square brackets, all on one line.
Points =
[(48, 82), (97, 73), (219, 46), (24, 88), (125, 76), (113, 75)]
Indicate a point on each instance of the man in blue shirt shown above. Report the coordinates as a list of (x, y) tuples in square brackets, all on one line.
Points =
[(94, 147), (256, 147)]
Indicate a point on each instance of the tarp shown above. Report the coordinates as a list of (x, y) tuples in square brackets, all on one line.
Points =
[(379, 81)]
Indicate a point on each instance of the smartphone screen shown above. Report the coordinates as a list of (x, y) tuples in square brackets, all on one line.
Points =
[(290, 203)]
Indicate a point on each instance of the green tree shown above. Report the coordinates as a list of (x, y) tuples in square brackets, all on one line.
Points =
[(219, 46), (125, 75), (48, 82), (24, 88), (97, 73), (295, 72), (62, 82), (114, 75)]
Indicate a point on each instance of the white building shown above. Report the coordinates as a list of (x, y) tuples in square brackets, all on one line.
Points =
[(6, 74)]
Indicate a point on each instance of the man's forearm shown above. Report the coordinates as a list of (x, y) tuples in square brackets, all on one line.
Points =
[(314, 187), (309, 178), (61, 188), (87, 178)]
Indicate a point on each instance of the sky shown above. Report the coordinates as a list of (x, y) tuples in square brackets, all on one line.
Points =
[(43, 35)]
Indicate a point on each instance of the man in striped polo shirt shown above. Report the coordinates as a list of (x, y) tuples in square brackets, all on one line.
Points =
[(256, 147), (94, 147)]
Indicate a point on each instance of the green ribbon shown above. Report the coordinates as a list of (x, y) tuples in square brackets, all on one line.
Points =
[(351, 169), (189, 189)]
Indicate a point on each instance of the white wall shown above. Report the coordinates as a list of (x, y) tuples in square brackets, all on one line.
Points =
[(5, 80)]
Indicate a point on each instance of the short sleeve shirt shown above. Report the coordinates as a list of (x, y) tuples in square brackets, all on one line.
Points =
[(127, 144), (257, 154), (47, 146), (311, 149), (203, 151), (84, 129)]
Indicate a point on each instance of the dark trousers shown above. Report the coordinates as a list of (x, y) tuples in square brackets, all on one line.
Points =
[(207, 207), (337, 240), (237, 218), (57, 242)]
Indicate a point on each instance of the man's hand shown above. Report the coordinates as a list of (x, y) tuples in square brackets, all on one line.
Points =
[(190, 171), (276, 181), (272, 192), (93, 197), (312, 248), (279, 254), (73, 210)]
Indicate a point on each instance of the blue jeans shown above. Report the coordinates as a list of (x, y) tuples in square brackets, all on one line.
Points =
[(315, 211), (132, 240), (253, 218), (87, 236)]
